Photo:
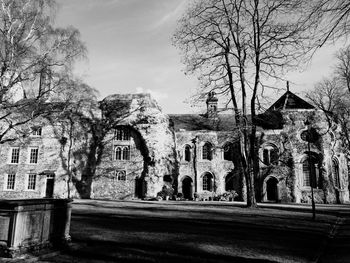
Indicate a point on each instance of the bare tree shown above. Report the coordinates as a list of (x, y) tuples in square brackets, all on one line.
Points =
[(332, 96), (234, 46), (35, 59), (330, 18)]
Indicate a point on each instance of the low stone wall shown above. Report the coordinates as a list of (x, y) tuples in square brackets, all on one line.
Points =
[(33, 224)]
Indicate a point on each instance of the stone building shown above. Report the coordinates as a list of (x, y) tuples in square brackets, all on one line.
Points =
[(194, 153)]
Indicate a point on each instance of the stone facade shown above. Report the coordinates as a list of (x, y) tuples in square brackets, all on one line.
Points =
[(193, 154)]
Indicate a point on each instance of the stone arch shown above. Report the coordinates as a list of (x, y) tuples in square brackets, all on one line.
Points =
[(271, 189), (187, 187)]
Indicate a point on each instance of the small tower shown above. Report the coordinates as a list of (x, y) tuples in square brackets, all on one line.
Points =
[(212, 105)]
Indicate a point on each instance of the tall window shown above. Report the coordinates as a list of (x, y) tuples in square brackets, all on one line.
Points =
[(187, 153), (126, 153), (11, 178), (14, 155), (121, 175), (228, 152), (207, 151), (33, 158), (122, 153), (207, 182), (122, 134), (36, 131), (310, 172), (270, 155), (335, 172), (31, 181)]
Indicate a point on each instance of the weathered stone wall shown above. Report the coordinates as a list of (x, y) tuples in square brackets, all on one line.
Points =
[(218, 167), (293, 151), (151, 128)]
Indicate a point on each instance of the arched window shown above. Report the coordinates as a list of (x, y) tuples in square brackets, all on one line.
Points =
[(126, 153), (270, 155), (118, 153), (207, 151), (187, 153), (335, 172), (121, 175), (228, 152), (208, 182), (311, 171)]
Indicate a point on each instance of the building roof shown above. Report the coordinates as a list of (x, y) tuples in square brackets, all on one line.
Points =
[(196, 122), (290, 101)]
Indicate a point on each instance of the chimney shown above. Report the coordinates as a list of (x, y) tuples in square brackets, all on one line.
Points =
[(212, 105)]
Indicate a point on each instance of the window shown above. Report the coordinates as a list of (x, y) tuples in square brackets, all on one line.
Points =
[(187, 153), (15, 155), (11, 178), (36, 131), (31, 181), (335, 172), (33, 158), (122, 153), (228, 152), (122, 134), (207, 151), (270, 155), (121, 175), (310, 172), (207, 182)]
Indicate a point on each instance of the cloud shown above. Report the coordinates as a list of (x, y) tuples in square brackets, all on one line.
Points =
[(171, 16), (157, 95)]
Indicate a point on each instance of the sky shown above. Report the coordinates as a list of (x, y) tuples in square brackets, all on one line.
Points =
[(130, 51)]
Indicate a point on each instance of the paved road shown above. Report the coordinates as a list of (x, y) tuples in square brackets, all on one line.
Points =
[(106, 231)]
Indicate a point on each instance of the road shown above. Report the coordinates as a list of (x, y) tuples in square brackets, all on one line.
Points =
[(169, 231)]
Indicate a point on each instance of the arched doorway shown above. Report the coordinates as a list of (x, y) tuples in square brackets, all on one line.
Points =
[(271, 189), (187, 187)]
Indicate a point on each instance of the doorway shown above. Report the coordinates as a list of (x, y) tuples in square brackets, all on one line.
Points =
[(271, 189), (187, 187), (50, 185)]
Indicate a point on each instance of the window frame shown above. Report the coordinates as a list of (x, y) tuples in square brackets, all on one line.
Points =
[(32, 154), (12, 155), (11, 178), (124, 153), (208, 182), (207, 151), (187, 153), (121, 175), (36, 131), (31, 182)]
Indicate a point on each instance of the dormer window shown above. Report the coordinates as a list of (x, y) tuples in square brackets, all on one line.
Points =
[(36, 131)]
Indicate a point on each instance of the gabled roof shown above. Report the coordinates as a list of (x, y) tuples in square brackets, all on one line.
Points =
[(290, 101), (196, 122)]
